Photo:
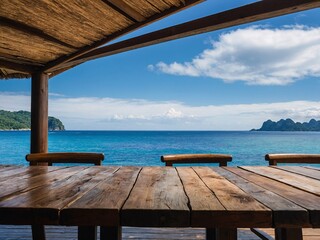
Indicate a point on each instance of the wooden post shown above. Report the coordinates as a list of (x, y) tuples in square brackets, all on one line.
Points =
[(288, 233), (39, 113), (39, 128), (87, 233), (110, 233)]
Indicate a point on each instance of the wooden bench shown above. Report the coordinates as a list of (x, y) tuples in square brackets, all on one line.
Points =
[(276, 158), (222, 159), (64, 157)]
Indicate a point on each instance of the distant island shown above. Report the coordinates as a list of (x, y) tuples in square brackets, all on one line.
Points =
[(289, 125), (21, 120)]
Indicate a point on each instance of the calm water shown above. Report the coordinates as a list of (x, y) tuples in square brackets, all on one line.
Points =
[(146, 147)]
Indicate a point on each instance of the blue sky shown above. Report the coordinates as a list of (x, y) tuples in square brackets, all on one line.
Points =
[(232, 79)]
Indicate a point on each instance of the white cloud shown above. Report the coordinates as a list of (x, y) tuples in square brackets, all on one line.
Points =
[(173, 113), (256, 56), (137, 114), (14, 102)]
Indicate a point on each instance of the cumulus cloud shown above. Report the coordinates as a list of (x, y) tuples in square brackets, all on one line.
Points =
[(256, 56), (139, 114)]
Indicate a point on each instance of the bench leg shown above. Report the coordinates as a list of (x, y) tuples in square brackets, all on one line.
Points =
[(221, 234), (87, 233), (110, 233), (288, 234), (38, 232)]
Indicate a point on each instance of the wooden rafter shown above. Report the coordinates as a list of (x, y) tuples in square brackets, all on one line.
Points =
[(31, 30), (25, 68), (245, 14), (60, 61), (123, 8)]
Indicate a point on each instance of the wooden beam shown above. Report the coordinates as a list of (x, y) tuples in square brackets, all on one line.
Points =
[(124, 9), (245, 14), (39, 113), (22, 27), (25, 68), (60, 61)]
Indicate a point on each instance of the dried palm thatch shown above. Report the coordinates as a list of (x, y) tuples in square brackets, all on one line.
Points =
[(35, 34), (52, 36)]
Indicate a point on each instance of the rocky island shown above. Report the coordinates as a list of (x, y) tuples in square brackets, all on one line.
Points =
[(21, 120), (289, 125)]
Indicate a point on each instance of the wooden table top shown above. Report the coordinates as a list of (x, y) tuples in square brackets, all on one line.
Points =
[(161, 196)]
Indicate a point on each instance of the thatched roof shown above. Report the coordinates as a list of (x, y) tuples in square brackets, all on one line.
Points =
[(52, 36), (39, 34)]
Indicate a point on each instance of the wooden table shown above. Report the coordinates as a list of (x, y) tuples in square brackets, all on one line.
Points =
[(220, 198)]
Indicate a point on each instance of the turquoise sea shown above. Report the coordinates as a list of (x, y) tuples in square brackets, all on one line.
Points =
[(145, 147)]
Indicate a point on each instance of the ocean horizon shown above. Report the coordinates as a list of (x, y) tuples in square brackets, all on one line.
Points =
[(144, 148)]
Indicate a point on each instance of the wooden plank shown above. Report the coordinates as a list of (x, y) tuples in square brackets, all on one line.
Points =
[(304, 199), (157, 200), (243, 210), (245, 14), (101, 205), (312, 173), (15, 186), (42, 204), (6, 172), (315, 168), (295, 180), (20, 173), (284, 212), (206, 210)]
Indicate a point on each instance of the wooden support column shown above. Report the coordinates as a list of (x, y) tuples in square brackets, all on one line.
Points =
[(87, 233), (39, 113), (221, 234), (288, 234), (39, 128)]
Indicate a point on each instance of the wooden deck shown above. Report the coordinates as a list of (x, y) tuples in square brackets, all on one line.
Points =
[(8, 232)]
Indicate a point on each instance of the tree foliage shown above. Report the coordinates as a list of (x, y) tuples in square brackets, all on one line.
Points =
[(22, 120)]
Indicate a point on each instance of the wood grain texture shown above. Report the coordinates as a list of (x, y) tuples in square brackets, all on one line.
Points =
[(308, 172), (20, 173), (38, 200), (206, 208), (297, 181), (157, 199), (304, 199), (32, 180), (101, 205), (243, 210), (285, 213)]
